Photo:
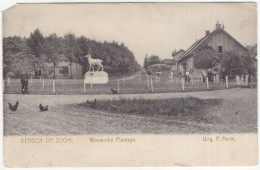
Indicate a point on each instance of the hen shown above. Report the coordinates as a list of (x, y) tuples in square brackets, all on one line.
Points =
[(114, 91), (92, 104), (42, 108), (13, 107)]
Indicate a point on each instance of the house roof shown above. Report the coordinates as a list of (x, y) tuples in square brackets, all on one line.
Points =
[(176, 53), (203, 39)]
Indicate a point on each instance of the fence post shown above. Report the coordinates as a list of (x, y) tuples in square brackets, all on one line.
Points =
[(53, 85), (91, 82), (191, 80), (242, 80), (217, 78), (148, 82), (227, 82), (118, 86), (201, 77), (40, 78), (8, 80), (207, 81), (246, 81), (84, 86), (43, 83), (182, 83), (214, 79), (31, 79), (152, 84)]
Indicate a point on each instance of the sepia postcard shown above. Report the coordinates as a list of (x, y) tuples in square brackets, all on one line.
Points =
[(129, 84)]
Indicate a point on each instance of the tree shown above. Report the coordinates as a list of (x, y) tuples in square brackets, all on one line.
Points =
[(35, 44), (252, 49), (84, 49), (153, 59), (70, 49), (16, 55), (204, 58), (237, 66), (53, 51), (249, 62), (38, 50)]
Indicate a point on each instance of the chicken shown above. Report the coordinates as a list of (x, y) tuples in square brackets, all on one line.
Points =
[(114, 91), (92, 104), (42, 108), (13, 108), (112, 108)]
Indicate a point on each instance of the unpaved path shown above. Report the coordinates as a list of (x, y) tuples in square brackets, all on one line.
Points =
[(236, 114)]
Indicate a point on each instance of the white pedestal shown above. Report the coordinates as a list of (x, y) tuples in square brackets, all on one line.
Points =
[(96, 77)]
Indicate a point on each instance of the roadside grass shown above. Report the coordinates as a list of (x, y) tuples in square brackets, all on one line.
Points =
[(182, 109)]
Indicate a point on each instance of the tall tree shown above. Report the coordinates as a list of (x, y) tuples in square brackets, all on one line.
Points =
[(35, 43), (71, 49), (16, 55), (53, 51)]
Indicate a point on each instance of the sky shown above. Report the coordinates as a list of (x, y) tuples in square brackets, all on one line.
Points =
[(145, 28)]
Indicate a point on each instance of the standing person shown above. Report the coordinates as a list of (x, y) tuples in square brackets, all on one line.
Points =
[(24, 82), (204, 74), (224, 74), (171, 75), (187, 76)]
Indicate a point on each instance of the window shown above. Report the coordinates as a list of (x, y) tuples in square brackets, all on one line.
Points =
[(219, 49)]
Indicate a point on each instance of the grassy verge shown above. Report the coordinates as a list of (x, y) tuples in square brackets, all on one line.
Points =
[(177, 108)]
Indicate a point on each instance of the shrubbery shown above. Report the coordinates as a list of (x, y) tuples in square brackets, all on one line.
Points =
[(159, 67)]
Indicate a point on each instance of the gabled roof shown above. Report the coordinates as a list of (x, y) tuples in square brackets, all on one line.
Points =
[(176, 53), (203, 39)]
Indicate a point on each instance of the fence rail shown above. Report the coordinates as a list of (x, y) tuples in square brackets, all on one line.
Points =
[(140, 84)]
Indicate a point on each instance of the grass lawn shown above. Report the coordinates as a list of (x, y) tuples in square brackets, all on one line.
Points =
[(177, 108)]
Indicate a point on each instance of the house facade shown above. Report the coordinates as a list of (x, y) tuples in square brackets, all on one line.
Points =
[(62, 70), (219, 40)]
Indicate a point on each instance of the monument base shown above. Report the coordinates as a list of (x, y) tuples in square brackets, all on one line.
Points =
[(96, 77)]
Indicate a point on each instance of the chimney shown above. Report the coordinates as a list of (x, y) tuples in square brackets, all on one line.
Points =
[(207, 32), (218, 26)]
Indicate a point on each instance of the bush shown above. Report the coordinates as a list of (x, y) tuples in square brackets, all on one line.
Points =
[(159, 68), (10, 74)]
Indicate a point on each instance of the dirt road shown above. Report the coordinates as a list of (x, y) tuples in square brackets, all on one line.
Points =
[(236, 114)]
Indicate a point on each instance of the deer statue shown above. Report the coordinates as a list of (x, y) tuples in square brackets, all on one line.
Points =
[(93, 62)]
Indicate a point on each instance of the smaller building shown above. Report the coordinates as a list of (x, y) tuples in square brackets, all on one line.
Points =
[(176, 56), (62, 70), (170, 62), (66, 69)]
